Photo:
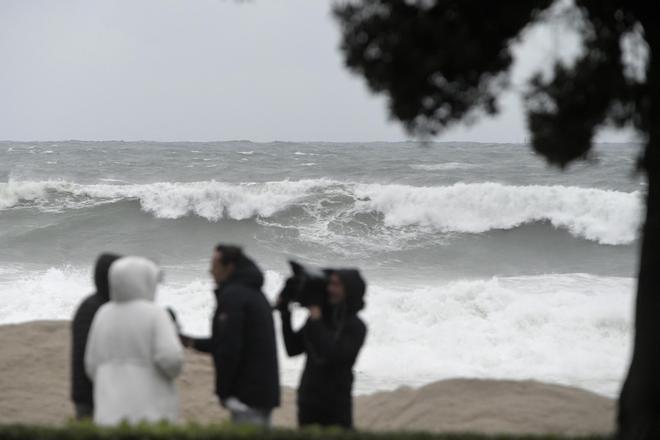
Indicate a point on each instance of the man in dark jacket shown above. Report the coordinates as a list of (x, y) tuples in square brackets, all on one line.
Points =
[(332, 338), (242, 340), (81, 386)]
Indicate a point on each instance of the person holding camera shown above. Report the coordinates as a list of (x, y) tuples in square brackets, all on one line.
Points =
[(331, 338), (242, 341)]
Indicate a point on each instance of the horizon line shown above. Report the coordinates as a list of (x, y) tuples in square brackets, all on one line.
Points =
[(417, 141)]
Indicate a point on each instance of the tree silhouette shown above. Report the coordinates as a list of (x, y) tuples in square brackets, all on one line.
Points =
[(441, 61)]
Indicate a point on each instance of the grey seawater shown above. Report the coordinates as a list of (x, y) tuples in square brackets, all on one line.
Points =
[(482, 260), (319, 225)]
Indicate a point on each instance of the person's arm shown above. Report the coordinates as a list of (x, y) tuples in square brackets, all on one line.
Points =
[(327, 346), (203, 345), (293, 340), (200, 344), (92, 355), (228, 343), (167, 350)]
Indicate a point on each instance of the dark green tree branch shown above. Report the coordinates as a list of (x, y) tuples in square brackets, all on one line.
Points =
[(440, 61)]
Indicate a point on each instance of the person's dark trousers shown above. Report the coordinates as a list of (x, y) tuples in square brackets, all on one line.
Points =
[(324, 416), (84, 411)]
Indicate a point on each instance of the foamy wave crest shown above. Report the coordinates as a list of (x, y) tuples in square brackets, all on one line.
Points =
[(14, 193), (607, 217), (211, 200), (444, 166), (603, 216)]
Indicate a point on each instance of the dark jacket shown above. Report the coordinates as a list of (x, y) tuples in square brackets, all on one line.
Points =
[(242, 341), (332, 345), (81, 386)]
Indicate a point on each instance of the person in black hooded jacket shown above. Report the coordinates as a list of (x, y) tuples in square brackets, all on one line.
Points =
[(242, 340), (81, 387), (332, 338)]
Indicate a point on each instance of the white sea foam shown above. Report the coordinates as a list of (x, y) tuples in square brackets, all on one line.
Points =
[(603, 216), (444, 166), (572, 329), (13, 193), (211, 200), (607, 217)]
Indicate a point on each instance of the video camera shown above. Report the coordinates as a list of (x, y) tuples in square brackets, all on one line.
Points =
[(307, 286)]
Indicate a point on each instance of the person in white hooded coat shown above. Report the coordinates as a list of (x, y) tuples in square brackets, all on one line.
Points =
[(133, 352)]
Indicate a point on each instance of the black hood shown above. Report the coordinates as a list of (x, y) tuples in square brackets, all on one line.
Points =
[(101, 274), (355, 288), (246, 273)]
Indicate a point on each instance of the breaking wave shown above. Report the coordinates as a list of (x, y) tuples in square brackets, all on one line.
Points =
[(607, 217), (211, 200), (603, 216)]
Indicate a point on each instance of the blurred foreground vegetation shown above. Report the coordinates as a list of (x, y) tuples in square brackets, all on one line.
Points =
[(87, 431)]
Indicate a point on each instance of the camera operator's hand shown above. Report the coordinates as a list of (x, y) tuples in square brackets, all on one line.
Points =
[(287, 292), (282, 303), (315, 312), (314, 298)]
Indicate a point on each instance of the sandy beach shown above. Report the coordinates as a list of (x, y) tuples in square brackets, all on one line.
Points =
[(34, 379)]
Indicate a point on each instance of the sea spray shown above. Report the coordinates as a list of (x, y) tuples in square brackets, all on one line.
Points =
[(572, 329)]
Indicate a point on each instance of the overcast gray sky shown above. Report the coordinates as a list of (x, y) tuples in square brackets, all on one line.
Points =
[(202, 70)]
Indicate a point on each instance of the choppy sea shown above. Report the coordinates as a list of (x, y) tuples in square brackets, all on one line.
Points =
[(482, 261)]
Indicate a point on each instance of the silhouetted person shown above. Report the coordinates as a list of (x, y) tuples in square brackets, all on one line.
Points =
[(133, 353), (242, 340), (332, 338), (81, 386)]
